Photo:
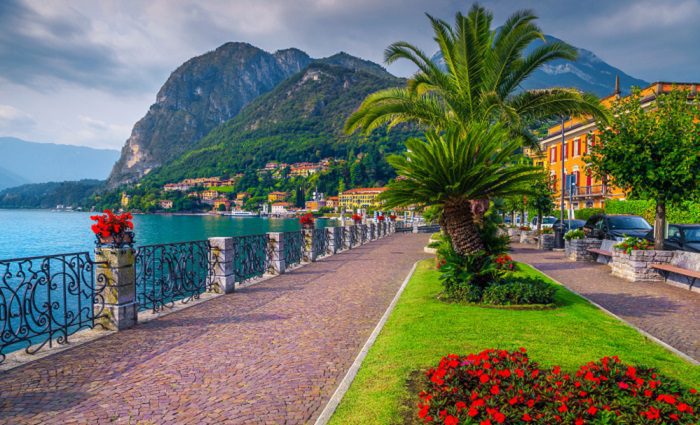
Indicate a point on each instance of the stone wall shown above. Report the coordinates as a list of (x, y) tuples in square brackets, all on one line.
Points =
[(636, 267), (577, 249), (546, 241), (686, 260)]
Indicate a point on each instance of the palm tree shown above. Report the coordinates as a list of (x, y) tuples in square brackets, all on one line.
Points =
[(481, 78), (455, 167)]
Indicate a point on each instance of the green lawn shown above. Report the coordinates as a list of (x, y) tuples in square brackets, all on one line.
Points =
[(422, 329)]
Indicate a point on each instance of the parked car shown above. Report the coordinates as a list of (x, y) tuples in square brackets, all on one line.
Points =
[(572, 224), (547, 222), (617, 227), (684, 237)]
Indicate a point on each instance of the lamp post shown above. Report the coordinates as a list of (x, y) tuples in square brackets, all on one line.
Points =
[(563, 170)]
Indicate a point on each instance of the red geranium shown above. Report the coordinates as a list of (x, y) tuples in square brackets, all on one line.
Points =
[(498, 386), (504, 262), (380, 217), (110, 224), (307, 220), (356, 218), (392, 217)]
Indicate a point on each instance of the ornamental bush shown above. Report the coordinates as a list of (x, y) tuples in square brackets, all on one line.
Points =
[(631, 243), (519, 291), (574, 234), (505, 387)]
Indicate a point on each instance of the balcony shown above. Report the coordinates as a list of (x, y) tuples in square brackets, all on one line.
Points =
[(593, 191)]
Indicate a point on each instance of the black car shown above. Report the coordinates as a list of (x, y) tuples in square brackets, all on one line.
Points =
[(569, 224), (617, 227), (685, 237)]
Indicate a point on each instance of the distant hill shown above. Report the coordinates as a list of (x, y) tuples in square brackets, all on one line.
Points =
[(49, 195), (589, 73), (30, 162)]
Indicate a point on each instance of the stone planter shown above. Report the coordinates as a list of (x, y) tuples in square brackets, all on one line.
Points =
[(116, 241), (577, 249), (636, 266), (546, 241), (527, 237)]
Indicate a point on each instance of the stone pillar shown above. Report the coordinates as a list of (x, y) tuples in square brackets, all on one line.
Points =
[(347, 237), (275, 252), (331, 247), (372, 231), (116, 275), (221, 261), (309, 246)]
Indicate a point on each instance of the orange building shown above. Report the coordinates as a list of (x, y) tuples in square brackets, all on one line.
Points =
[(583, 189), (361, 197), (277, 196)]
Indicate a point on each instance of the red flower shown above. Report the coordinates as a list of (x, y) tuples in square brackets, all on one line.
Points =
[(451, 420), (592, 410), (495, 390), (307, 219), (527, 418)]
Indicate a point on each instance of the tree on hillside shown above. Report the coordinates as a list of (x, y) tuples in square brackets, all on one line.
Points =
[(454, 168), (480, 81), (652, 153)]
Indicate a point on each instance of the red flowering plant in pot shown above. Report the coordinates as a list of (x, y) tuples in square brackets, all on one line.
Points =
[(392, 217), (307, 221), (381, 217), (357, 218), (113, 230)]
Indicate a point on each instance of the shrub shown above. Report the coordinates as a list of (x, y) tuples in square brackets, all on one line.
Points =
[(586, 213), (631, 243), (574, 234), (498, 386), (504, 262), (519, 291), (546, 231), (464, 277), (685, 212)]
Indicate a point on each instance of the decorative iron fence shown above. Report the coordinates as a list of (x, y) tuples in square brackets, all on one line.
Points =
[(168, 273), (336, 236), (320, 241), (349, 236), (357, 234), (293, 248), (250, 257), (43, 300)]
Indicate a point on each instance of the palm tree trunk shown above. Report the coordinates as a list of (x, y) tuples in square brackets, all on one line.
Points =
[(460, 225)]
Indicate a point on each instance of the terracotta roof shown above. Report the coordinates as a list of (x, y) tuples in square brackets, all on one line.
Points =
[(364, 190)]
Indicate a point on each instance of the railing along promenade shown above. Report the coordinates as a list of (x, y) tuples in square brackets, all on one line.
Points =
[(44, 300)]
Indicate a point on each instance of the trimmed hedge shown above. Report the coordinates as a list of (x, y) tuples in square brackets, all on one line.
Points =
[(519, 291), (686, 212)]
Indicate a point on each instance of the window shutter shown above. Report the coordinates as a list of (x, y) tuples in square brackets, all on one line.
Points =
[(579, 147)]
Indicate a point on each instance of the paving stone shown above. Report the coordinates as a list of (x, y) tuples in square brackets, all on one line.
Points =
[(669, 313), (270, 353)]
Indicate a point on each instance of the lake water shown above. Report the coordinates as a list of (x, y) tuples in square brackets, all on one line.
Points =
[(25, 233)]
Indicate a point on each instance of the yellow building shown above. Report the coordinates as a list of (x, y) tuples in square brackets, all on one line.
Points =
[(363, 197), (583, 189), (277, 196), (125, 200)]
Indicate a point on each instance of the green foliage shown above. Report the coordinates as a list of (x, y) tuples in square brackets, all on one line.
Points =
[(464, 277), (631, 243), (48, 195), (494, 243), (432, 214), (586, 213), (687, 212), (574, 234), (515, 290)]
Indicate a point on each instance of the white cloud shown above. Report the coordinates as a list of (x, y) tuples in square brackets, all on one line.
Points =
[(15, 121)]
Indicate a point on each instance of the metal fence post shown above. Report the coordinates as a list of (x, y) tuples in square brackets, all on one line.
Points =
[(275, 252), (221, 263), (115, 273)]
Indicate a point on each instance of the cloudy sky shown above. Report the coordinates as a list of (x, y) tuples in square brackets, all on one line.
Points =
[(84, 71)]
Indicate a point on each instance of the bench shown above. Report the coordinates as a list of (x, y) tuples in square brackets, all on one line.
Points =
[(604, 253), (665, 269)]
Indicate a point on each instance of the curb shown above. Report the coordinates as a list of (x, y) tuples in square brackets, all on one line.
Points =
[(644, 333), (349, 377)]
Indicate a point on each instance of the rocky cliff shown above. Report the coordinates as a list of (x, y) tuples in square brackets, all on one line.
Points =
[(201, 94)]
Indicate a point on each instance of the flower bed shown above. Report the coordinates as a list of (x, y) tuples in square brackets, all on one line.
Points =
[(498, 386)]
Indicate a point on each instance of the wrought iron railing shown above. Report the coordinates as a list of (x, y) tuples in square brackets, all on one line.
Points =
[(334, 239), (250, 257), (349, 236), (357, 234), (293, 248), (320, 242), (167, 273), (43, 300)]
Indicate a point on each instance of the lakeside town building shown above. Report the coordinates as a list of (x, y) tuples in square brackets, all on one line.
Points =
[(362, 197), (277, 196), (581, 188)]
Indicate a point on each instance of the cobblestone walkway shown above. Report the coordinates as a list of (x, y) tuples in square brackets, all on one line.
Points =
[(270, 353), (669, 313)]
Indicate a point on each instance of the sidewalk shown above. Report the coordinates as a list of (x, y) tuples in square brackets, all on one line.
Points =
[(669, 313), (270, 353)]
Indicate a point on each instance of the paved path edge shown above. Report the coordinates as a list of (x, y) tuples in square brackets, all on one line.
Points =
[(644, 333), (349, 377)]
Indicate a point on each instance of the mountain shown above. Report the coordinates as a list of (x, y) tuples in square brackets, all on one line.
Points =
[(201, 94), (49, 195), (300, 120), (588, 73), (31, 162)]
